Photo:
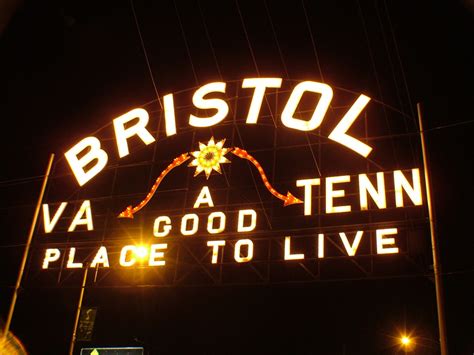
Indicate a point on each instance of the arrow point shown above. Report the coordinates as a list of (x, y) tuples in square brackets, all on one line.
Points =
[(127, 213), (291, 200)]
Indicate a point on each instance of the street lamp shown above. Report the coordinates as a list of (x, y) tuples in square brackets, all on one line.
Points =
[(141, 252), (405, 341)]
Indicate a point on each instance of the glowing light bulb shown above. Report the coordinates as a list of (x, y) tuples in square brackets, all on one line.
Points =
[(141, 252), (405, 340)]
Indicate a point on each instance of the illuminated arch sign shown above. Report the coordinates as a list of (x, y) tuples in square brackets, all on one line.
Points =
[(88, 152), (313, 216)]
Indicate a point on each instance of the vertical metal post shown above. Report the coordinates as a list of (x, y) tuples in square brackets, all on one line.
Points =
[(27, 250), (434, 246), (78, 311)]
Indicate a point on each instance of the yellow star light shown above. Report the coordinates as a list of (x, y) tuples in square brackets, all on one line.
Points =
[(209, 157)]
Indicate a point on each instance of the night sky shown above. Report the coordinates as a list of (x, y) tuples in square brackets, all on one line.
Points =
[(68, 69)]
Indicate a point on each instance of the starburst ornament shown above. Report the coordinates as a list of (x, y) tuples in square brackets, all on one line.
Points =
[(209, 157)]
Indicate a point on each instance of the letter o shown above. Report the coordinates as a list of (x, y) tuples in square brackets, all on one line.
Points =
[(320, 110), (238, 246), (184, 224), (210, 222)]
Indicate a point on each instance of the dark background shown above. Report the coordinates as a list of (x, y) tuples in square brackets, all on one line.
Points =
[(70, 68)]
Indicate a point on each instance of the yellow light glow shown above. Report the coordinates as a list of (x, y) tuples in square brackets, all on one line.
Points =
[(237, 254), (378, 195), (218, 104), (381, 241), (290, 121), (204, 197), (101, 258), (215, 244), (51, 255), (138, 129), (141, 252), (405, 340), (49, 223), (156, 255), (184, 224), (401, 183), (241, 227), (162, 226), (209, 157), (351, 249), (260, 85), (91, 145), (288, 255), (339, 134), (70, 260), (210, 222), (308, 192), (78, 220), (170, 119), (331, 194)]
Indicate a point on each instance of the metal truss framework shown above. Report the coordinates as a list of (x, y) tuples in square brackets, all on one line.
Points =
[(192, 267)]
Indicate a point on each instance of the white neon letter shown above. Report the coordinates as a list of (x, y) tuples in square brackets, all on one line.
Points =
[(320, 245), (204, 197), (50, 256), (101, 258), (170, 119), (238, 246), (78, 220), (218, 104), (339, 132), (184, 224), (165, 230), (49, 223), (126, 250), (351, 249), (378, 195), (288, 255), (241, 221), (331, 194), (138, 129), (401, 183), (155, 255), (381, 241), (93, 152), (215, 244), (210, 222), (70, 261), (319, 111), (307, 183), (260, 85)]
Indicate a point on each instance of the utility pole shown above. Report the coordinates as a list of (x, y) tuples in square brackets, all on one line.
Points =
[(78, 311), (434, 245), (6, 329)]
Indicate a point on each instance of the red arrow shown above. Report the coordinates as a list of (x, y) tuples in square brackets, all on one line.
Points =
[(289, 199), (130, 211)]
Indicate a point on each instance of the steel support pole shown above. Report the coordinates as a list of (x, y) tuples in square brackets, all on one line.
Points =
[(78, 311), (8, 321), (434, 245)]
